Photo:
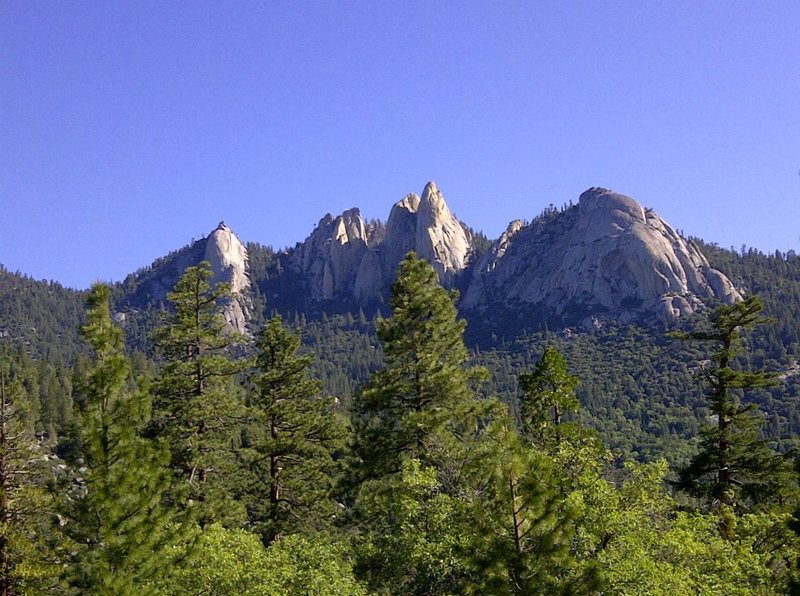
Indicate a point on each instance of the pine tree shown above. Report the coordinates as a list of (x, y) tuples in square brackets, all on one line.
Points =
[(524, 525), (734, 467), (195, 399), (294, 434), (116, 521), (422, 400), (419, 439), (27, 564), (547, 393)]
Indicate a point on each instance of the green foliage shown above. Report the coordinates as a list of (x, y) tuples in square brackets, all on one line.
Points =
[(42, 316), (235, 562), (422, 399), (734, 466), (447, 497), (416, 536), (27, 563), (419, 431), (293, 434), (633, 533), (195, 398), (524, 524), (547, 393), (115, 521)]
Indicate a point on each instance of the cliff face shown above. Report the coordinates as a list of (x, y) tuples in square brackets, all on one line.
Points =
[(331, 255), (228, 258), (340, 260), (607, 256)]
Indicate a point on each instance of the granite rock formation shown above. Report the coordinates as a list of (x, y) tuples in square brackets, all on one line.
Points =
[(341, 260), (605, 257), (228, 258)]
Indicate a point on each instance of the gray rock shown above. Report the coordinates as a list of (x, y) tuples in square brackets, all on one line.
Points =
[(330, 257), (607, 255), (229, 263), (340, 259), (228, 258)]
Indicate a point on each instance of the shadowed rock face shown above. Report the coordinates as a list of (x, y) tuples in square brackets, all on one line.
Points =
[(341, 261), (331, 255), (608, 255)]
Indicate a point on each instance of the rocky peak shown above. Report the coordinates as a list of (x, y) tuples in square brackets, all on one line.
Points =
[(229, 264), (228, 258), (605, 256), (440, 238), (330, 256), (339, 260), (401, 231)]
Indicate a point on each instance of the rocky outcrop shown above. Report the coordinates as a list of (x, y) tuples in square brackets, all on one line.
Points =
[(605, 256), (341, 260), (332, 254), (229, 264), (441, 239), (228, 258)]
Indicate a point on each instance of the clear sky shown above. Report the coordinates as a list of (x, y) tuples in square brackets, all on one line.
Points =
[(129, 128)]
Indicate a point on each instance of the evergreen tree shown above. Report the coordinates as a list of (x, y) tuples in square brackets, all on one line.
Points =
[(195, 399), (547, 393), (26, 561), (734, 466), (116, 520), (419, 437), (422, 400), (293, 435), (524, 524)]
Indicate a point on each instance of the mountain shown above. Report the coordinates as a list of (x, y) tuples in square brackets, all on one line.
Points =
[(605, 258), (591, 278), (229, 262), (344, 259)]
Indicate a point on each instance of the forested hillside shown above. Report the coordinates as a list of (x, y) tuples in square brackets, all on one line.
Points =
[(637, 385), (228, 470)]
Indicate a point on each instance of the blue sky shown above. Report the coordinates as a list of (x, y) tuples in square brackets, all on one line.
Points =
[(129, 128)]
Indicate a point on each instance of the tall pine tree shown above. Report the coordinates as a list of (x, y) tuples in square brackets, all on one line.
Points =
[(116, 521), (547, 394), (419, 428), (293, 435), (735, 468), (196, 401), (422, 401)]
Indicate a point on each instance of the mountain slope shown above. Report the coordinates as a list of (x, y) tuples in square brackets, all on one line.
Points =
[(605, 258)]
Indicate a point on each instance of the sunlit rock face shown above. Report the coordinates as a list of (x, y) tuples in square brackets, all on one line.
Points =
[(228, 258), (340, 259), (332, 254), (440, 238), (229, 264), (606, 255)]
